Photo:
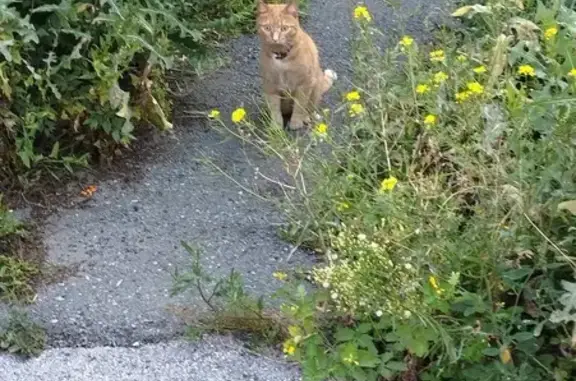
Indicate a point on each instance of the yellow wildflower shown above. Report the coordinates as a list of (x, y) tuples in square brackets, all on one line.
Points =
[(572, 73), (321, 129), (214, 114), (356, 109), (289, 347), (353, 96), (526, 70), (388, 184), (479, 69), (342, 205), (362, 13), (550, 33), (440, 77), (421, 89), (434, 283), (463, 96), (406, 41), (430, 120), (461, 58), (280, 275), (475, 87), (238, 115), (437, 56)]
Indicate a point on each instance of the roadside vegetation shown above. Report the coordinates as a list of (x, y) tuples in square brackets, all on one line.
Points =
[(79, 82), (444, 207)]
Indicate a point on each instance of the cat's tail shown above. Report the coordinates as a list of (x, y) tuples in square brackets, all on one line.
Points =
[(329, 78)]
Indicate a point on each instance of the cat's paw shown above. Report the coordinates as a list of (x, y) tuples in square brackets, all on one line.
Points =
[(296, 124), (329, 73)]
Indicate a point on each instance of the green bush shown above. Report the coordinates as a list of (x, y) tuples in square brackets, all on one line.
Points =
[(446, 206), (20, 335), (16, 275), (76, 77)]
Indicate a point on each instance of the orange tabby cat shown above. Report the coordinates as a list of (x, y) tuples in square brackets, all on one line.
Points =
[(289, 63)]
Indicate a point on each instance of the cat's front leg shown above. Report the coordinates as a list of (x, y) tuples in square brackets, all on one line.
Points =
[(300, 115), (274, 103)]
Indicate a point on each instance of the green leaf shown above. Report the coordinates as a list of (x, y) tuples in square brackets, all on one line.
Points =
[(364, 328), (344, 334), (359, 374), (4, 49), (522, 336), (397, 366), (368, 359), (55, 150), (517, 274), (492, 352), (386, 357)]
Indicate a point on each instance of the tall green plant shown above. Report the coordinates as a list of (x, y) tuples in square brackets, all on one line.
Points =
[(445, 206)]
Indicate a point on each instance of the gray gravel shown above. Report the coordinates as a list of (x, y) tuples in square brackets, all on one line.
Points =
[(216, 359), (126, 241)]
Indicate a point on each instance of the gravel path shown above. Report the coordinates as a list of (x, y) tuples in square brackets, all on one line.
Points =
[(211, 360), (126, 241)]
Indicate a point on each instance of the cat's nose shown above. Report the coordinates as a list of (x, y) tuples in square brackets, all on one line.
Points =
[(275, 36)]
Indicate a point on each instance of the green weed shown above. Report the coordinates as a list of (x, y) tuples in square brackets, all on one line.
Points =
[(16, 275), (22, 336), (230, 307)]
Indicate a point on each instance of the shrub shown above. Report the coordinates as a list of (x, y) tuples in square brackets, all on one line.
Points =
[(20, 335), (76, 77), (16, 275), (445, 206)]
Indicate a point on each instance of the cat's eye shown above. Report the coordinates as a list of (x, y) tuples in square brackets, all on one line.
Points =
[(284, 28), (267, 28)]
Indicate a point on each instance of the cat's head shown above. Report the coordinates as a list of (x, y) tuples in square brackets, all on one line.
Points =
[(278, 23)]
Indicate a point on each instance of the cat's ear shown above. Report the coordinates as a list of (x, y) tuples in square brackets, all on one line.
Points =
[(292, 8), (262, 7)]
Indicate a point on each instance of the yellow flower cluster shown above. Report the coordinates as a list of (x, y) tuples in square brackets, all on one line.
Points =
[(479, 69), (472, 88), (434, 284), (422, 89), (437, 56), (550, 33), (572, 73), (342, 206), (527, 71), (355, 109), (388, 184), (353, 96), (430, 120), (214, 114), (238, 115), (440, 77), (321, 129), (289, 347), (406, 41), (281, 276), (361, 13), (475, 87)]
